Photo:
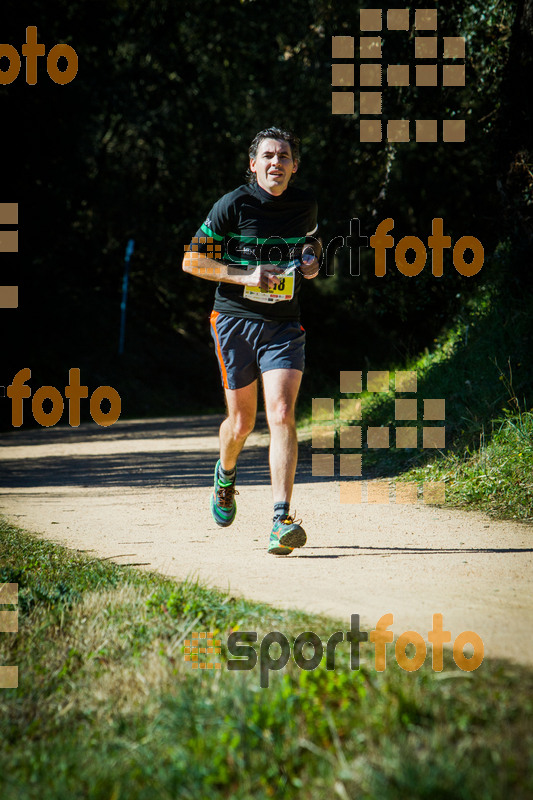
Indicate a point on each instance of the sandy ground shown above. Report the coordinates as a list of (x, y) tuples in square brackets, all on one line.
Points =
[(138, 493)]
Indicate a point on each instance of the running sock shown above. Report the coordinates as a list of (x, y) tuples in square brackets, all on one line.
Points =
[(280, 510), (227, 476)]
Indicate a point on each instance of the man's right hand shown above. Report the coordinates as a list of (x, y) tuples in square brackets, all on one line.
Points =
[(266, 276)]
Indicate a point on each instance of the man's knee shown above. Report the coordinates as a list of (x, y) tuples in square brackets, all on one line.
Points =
[(281, 414), (241, 425)]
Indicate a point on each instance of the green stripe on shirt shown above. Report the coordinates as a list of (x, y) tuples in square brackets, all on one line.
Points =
[(230, 260), (209, 232), (273, 240)]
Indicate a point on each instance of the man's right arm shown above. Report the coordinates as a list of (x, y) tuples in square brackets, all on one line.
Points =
[(202, 266), (211, 238)]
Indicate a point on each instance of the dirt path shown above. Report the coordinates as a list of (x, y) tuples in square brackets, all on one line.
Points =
[(138, 492)]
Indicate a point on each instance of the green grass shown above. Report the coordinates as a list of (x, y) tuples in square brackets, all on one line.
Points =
[(108, 708), (496, 477)]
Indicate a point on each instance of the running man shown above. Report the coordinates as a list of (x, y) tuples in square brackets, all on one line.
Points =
[(258, 242)]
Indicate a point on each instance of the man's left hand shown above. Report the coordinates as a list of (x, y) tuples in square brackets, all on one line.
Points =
[(310, 264)]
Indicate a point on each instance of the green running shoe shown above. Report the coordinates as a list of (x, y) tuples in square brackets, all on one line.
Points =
[(223, 505), (286, 534)]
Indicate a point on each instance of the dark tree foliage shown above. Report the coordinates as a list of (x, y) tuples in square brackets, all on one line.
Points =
[(156, 126)]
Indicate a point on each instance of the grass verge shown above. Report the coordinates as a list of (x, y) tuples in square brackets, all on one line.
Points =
[(481, 367), (107, 707), (496, 477)]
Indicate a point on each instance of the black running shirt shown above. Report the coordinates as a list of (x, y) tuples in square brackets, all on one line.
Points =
[(249, 226)]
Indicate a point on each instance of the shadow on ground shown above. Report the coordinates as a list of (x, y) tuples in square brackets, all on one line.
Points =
[(172, 468)]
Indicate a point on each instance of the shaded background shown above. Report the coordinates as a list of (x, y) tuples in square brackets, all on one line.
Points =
[(156, 126)]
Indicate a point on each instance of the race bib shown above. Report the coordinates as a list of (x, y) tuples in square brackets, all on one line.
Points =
[(283, 291)]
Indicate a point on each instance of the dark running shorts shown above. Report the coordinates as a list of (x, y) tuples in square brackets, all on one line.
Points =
[(247, 347)]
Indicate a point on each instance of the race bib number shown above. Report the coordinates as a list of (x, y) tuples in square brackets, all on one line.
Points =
[(283, 291)]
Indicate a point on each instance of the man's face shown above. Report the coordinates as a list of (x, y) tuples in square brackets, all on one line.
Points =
[(273, 165)]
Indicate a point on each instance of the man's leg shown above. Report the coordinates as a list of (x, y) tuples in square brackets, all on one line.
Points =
[(242, 408), (281, 390), (233, 338)]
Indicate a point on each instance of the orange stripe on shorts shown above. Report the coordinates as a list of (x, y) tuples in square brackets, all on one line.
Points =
[(213, 318)]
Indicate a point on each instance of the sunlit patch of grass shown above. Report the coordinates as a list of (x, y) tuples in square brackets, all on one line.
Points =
[(497, 476), (479, 366)]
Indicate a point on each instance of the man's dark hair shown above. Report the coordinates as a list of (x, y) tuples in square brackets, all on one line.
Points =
[(272, 133)]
